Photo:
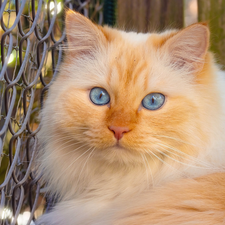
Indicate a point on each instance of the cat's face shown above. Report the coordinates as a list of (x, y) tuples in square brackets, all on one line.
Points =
[(126, 95)]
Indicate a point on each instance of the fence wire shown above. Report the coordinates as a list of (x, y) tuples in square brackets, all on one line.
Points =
[(31, 32)]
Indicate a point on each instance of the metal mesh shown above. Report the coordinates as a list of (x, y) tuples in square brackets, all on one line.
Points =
[(31, 33)]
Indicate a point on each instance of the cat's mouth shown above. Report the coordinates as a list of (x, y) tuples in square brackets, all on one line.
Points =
[(119, 146)]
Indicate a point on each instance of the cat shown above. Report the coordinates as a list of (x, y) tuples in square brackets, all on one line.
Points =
[(132, 129)]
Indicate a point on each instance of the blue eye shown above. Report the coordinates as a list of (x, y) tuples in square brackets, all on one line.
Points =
[(99, 96), (153, 101)]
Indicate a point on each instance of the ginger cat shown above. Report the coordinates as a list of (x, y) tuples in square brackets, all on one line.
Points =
[(133, 129)]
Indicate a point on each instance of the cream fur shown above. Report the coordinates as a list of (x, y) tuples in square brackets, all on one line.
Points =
[(77, 158)]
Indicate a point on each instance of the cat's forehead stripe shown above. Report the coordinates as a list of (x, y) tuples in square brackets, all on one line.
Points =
[(129, 69)]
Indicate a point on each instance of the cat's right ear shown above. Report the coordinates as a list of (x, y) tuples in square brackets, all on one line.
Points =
[(187, 48), (83, 36)]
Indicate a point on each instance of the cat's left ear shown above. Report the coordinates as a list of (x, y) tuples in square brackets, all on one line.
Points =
[(83, 36), (187, 48)]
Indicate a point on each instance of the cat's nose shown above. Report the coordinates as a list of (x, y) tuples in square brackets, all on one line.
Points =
[(119, 131)]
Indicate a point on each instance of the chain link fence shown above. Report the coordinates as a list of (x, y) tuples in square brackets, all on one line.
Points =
[(31, 33)]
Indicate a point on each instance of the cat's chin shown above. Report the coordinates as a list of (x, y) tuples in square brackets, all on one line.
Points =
[(119, 148), (119, 154)]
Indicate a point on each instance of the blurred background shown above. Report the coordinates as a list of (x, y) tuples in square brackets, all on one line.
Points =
[(156, 15), (31, 32)]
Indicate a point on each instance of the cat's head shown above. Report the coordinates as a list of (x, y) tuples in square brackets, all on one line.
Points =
[(124, 96)]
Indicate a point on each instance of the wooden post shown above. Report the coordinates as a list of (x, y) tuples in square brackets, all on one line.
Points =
[(150, 15), (172, 14), (213, 12)]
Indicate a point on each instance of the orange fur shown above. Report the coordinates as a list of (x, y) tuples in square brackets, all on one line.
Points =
[(200, 201), (90, 172)]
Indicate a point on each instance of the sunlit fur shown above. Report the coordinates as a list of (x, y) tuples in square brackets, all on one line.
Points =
[(79, 159), (199, 201)]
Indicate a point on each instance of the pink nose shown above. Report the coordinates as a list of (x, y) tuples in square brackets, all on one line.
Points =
[(118, 131)]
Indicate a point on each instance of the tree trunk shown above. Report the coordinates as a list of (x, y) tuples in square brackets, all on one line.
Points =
[(150, 15), (213, 12)]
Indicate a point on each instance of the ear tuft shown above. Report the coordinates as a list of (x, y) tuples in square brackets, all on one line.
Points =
[(83, 36), (187, 49)]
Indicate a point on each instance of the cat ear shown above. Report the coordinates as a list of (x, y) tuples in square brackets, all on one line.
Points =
[(82, 35), (188, 47)]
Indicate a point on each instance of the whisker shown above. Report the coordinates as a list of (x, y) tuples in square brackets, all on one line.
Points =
[(146, 171), (164, 163), (67, 146), (150, 169), (173, 138), (190, 158), (85, 164), (77, 159), (63, 144), (65, 139), (190, 165)]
